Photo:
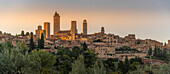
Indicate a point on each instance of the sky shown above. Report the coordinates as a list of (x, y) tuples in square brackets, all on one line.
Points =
[(148, 19)]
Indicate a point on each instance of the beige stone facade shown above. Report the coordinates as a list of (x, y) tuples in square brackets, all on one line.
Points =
[(56, 22), (47, 29), (85, 28), (39, 32)]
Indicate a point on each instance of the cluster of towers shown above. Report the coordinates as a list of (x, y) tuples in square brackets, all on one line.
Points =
[(57, 31), (45, 32), (73, 30)]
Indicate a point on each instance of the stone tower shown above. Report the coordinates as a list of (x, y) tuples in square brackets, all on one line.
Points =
[(102, 31), (73, 30), (56, 22), (84, 27), (39, 27), (47, 29), (39, 31)]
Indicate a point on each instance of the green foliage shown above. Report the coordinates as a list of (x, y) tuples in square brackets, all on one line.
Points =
[(90, 58), (16, 60), (41, 42), (126, 49), (150, 52), (31, 44), (158, 54), (76, 51), (27, 33), (168, 57), (55, 47), (84, 45), (138, 42), (110, 64), (98, 40), (136, 59), (46, 60), (127, 65), (22, 33), (97, 68), (79, 66), (163, 69), (13, 59), (64, 60), (160, 69)]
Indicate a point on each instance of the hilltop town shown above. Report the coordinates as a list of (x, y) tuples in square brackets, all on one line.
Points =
[(105, 45)]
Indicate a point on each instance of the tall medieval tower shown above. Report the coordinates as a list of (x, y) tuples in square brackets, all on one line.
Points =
[(47, 29), (73, 30), (102, 31), (84, 27), (56, 22)]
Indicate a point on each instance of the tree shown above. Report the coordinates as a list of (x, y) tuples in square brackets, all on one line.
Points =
[(121, 66), (22, 33), (150, 52), (46, 60), (97, 68), (78, 66), (76, 51), (31, 44), (165, 44), (159, 69), (27, 34), (98, 40), (158, 53), (42, 41), (64, 60), (110, 64), (14, 60), (84, 45), (138, 71), (127, 65), (138, 41), (163, 69), (168, 57), (90, 58), (116, 66)]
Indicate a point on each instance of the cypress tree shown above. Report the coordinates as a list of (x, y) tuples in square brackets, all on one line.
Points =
[(84, 45), (22, 33), (150, 52), (31, 44), (127, 65), (42, 41), (39, 43), (27, 33)]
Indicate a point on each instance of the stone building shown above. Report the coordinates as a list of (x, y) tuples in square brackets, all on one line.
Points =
[(102, 31), (39, 32), (56, 22), (84, 28), (47, 29), (73, 30)]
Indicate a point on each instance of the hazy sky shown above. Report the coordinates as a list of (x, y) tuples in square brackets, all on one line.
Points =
[(145, 18)]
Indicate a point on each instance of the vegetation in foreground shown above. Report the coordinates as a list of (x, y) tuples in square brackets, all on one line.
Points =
[(20, 60)]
